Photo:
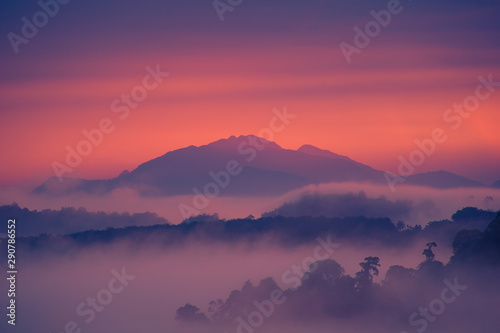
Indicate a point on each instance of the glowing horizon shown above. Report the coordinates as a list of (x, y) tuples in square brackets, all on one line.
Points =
[(394, 92)]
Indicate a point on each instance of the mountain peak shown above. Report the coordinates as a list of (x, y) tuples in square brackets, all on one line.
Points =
[(233, 142), (276, 171)]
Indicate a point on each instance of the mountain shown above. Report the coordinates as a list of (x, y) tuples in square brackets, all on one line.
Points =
[(259, 167), (441, 179), (311, 150), (496, 184)]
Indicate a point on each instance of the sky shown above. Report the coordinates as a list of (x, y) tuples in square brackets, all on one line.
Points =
[(226, 77)]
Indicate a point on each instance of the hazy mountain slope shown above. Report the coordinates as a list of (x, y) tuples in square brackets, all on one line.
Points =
[(259, 167), (441, 179)]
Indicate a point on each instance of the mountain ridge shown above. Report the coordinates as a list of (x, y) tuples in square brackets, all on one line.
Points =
[(265, 168)]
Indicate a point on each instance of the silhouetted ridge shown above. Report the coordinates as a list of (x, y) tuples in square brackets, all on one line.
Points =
[(264, 168)]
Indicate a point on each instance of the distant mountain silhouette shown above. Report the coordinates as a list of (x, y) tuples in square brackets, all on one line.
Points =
[(496, 184), (70, 220), (343, 205), (315, 151), (87, 228), (266, 169), (441, 179)]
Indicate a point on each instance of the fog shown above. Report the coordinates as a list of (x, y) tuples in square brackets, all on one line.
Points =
[(52, 286), (426, 204)]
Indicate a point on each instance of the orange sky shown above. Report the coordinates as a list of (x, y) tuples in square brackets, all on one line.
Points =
[(371, 116), (371, 110)]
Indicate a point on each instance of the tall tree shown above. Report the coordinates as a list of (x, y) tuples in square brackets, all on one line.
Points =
[(429, 255), (364, 278)]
